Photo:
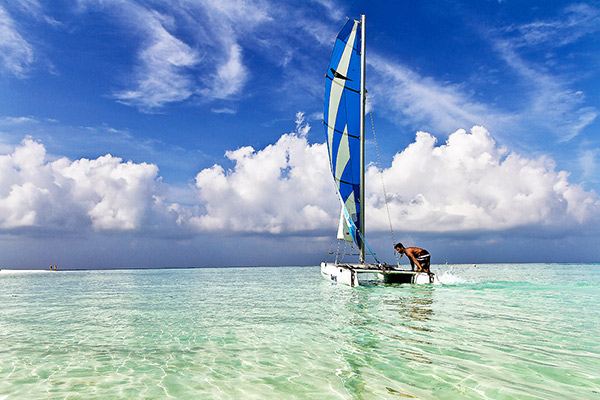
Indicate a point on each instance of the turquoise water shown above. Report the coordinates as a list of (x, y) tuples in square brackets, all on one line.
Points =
[(496, 331)]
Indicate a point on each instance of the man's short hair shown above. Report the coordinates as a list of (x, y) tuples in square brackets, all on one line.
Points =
[(399, 245)]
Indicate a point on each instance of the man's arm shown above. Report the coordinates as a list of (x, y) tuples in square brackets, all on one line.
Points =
[(409, 254)]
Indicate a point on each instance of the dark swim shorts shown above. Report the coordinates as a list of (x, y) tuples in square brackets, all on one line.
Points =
[(425, 260)]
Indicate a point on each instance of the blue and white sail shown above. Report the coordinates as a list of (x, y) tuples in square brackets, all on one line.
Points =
[(342, 121)]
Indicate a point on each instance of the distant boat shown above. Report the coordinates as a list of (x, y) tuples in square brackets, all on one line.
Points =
[(344, 122)]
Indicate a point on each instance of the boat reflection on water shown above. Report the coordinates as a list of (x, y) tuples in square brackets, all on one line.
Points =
[(415, 306), (387, 334)]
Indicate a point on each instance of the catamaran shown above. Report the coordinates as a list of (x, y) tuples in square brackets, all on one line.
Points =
[(344, 122)]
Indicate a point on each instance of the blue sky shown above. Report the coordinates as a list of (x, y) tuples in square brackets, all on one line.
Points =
[(148, 134)]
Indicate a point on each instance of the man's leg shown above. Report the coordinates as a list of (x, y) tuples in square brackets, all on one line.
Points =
[(425, 262)]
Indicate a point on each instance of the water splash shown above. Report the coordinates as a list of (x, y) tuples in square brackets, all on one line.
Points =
[(450, 277)]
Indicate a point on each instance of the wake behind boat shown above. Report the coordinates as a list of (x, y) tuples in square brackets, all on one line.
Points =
[(344, 122)]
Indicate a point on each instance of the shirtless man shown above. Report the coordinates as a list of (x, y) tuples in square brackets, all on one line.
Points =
[(417, 256)]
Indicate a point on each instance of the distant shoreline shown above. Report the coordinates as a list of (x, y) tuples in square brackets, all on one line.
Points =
[(265, 266)]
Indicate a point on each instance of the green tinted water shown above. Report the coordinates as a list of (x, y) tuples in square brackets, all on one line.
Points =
[(495, 331)]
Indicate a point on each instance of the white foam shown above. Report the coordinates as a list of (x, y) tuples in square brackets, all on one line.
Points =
[(448, 278), (21, 271)]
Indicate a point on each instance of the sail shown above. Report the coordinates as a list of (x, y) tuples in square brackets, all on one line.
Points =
[(342, 125), (343, 230)]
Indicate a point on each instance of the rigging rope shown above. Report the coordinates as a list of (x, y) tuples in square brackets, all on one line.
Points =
[(387, 208)]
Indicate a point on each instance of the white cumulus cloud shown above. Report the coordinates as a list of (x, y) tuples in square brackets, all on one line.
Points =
[(284, 188), (105, 193), (467, 184), (471, 184)]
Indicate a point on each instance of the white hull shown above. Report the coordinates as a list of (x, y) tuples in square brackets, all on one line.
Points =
[(348, 274), (339, 273)]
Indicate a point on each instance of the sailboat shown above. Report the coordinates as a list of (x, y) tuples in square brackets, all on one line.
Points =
[(344, 123)]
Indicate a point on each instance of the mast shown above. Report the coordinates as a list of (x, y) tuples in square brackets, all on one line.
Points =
[(362, 137)]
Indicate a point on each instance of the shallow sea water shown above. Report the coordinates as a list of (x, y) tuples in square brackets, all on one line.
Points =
[(503, 331)]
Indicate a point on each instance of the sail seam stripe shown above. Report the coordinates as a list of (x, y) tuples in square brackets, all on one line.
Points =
[(342, 181), (344, 86), (340, 132)]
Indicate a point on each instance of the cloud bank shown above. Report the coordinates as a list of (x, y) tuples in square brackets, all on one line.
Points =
[(468, 184), (471, 184), (105, 194), (284, 188)]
